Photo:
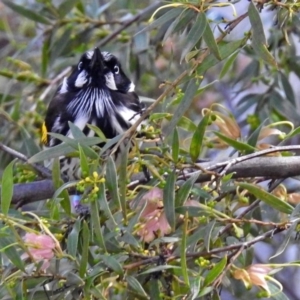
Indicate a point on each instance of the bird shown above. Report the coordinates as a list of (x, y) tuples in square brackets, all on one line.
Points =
[(97, 92)]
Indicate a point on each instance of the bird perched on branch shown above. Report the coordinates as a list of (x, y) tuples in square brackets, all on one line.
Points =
[(97, 92)]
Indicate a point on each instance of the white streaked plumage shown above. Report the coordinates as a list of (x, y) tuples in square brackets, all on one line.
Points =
[(110, 81)]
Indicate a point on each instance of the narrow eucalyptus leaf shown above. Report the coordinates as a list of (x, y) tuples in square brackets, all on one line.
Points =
[(169, 199), (7, 186)]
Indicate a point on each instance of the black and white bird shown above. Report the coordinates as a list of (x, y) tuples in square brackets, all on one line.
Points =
[(97, 92)]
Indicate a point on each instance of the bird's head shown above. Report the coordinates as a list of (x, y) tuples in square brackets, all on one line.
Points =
[(100, 70)]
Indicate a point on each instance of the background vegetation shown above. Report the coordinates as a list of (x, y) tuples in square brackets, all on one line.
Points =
[(220, 80)]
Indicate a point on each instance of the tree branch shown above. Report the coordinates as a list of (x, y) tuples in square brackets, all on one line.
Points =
[(270, 167)]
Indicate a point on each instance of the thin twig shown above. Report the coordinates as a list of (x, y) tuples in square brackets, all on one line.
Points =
[(42, 171)]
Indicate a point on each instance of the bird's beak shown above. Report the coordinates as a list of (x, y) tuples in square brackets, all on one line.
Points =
[(97, 61)]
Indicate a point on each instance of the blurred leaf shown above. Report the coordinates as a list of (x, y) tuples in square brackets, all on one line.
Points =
[(169, 15), (29, 14), (112, 182), (66, 6), (253, 138), (194, 34), (95, 211), (85, 169), (290, 232), (288, 90), (7, 186), (7, 245), (183, 106), (76, 132), (112, 263), (29, 142), (210, 41), (98, 132), (184, 191), (123, 180), (225, 49), (183, 248), (215, 271), (175, 146), (169, 199), (228, 63), (268, 198), (160, 268), (60, 43), (197, 139), (85, 238), (63, 149), (259, 42), (234, 143), (104, 204), (73, 237), (136, 286), (208, 232), (46, 53)]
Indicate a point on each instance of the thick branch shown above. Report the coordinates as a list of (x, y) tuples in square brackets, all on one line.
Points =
[(270, 167)]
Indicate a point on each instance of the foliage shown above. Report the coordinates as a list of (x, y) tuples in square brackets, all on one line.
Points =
[(174, 235)]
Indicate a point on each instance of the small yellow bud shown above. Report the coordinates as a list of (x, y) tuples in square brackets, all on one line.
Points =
[(87, 179), (95, 175)]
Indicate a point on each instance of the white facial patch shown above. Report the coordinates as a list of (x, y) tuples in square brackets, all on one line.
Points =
[(64, 86), (81, 79), (110, 81), (131, 87), (106, 55)]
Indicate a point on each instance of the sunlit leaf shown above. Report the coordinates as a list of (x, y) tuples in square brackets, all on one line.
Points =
[(7, 186), (268, 198)]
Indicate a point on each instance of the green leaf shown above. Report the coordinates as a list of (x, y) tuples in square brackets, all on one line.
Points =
[(207, 238), (63, 149), (169, 15), (73, 237), (228, 63), (197, 139), (136, 286), (7, 186), (259, 42), (112, 181), (169, 199), (253, 138), (215, 271), (268, 198), (104, 204), (225, 49), (76, 132), (95, 211), (84, 165), (183, 247), (7, 246), (195, 34), (175, 146), (85, 238), (66, 6), (57, 182), (290, 232), (60, 44), (123, 181), (112, 263), (46, 53), (210, 41), (235, 144), (98, 132), (29, 14), (184, 105), (184, 191)]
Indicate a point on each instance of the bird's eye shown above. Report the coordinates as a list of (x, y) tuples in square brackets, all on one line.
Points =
[(80, 65), (116, 70)]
